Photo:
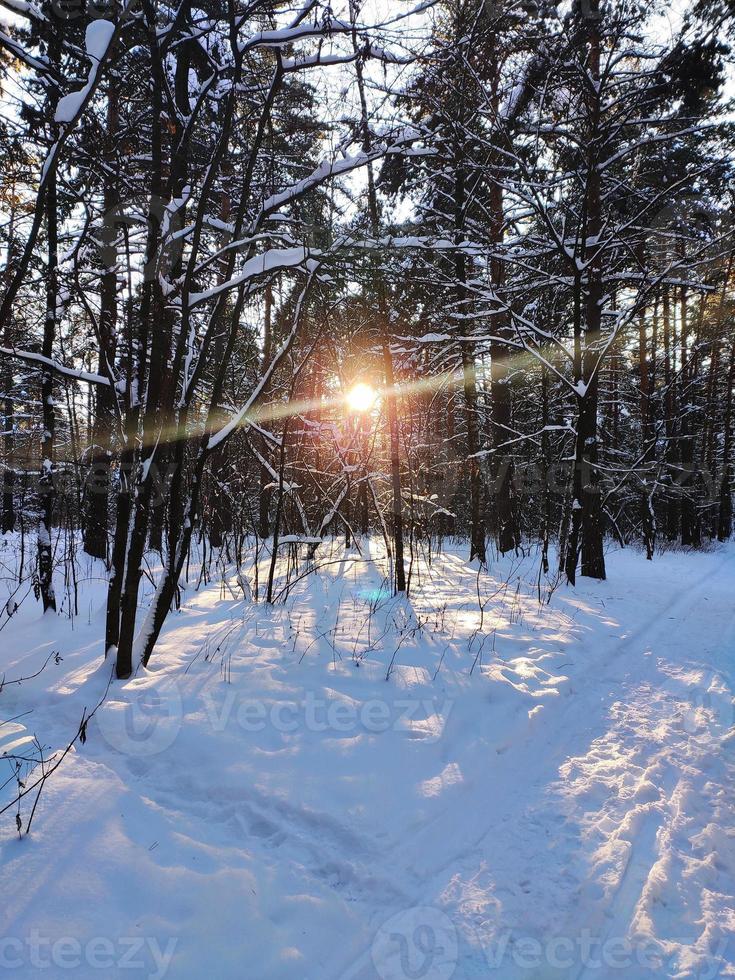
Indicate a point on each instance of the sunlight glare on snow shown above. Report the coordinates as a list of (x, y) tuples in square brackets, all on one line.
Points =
[(450, 775)]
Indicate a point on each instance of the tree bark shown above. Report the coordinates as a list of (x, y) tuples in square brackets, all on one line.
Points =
[(95, 529), (586, 504), (724, 522), (46, 482), (469, 379), (8, 513), (390, 394)]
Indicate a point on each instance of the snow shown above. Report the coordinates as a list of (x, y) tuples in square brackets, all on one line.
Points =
[(58, 368), (268, 261), (68, 106), (335, 168), (98, 36), (288, 35), (298, 792)]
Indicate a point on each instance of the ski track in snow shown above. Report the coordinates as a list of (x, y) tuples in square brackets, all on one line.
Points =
[(565, 809)]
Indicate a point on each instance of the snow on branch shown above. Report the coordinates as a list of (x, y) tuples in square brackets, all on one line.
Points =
[(67, 372), (335, 168), (287, 35), (318, 58), (98, 38), (272, 260), (241, 416)]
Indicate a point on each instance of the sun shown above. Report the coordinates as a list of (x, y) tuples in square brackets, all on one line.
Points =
[(361, 397)]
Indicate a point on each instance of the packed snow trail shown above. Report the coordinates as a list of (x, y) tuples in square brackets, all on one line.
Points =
[(356, 787)]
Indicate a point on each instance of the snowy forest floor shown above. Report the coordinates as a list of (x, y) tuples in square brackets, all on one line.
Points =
[(352, 786)]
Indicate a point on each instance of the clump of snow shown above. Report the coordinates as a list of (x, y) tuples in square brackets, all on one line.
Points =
[(97, 39)]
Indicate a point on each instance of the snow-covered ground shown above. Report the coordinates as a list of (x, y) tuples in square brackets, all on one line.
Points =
[(357, 787)]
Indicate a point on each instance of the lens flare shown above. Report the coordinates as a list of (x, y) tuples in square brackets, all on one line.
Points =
[(361, 397)]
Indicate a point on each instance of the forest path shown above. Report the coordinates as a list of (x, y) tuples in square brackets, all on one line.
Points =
[(587, 845), (356, 787)]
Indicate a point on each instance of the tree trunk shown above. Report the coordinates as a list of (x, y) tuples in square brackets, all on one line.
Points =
[(390, 394), (95, 529), (507, 531), (46, 483), (264, 497), (8, 514), (586, 503), (724, 523), (670, 400), (469, 380), (647, 516), (689, 522)]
